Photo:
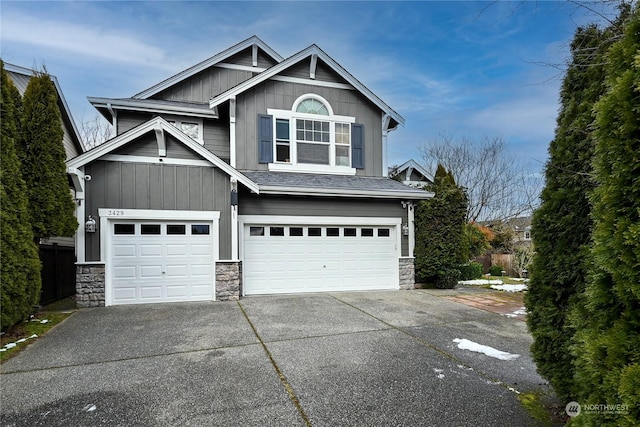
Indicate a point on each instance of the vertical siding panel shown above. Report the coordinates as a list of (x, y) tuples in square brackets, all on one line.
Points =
[(222, 204), (182, 188), (141, 186), (127, 191), (169, 187), (155, 187), (112, 188), (195, 188), (208, 175)]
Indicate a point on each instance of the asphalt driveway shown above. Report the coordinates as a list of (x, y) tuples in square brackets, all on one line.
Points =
[(339, 359)]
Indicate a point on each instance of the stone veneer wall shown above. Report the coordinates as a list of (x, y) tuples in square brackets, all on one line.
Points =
[(90, 285), (228, 280), (407, 273)]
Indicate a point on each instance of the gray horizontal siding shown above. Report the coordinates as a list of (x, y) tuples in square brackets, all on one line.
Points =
[(161, 187), (281, 95), (129, 120), (216, 136), (252, 204)]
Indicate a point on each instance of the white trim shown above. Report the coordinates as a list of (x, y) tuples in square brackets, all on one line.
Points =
[(310, 82), (108, 215), (232, 131), (148, 126), (239, 67), (115, 105), (312, 66), (291, 114), (411, 223), (80, 233), (311, 168), (125, 158), (234, 226), (156, 214)]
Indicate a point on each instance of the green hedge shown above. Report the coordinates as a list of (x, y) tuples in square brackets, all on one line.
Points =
[(470, 271)]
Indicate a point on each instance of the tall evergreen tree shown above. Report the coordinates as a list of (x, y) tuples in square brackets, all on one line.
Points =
[(607, 342), (43, 157), (440, 231), (19, 262), (561, 227)]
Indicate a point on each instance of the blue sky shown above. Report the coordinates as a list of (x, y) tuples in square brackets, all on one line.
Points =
[(464, 69)]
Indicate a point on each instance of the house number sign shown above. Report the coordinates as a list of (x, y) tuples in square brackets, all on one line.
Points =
[(115, 212)]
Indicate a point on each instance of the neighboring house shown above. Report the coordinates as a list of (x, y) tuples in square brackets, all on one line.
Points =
[(245, 174), (73, 145), (521, 229), (411, 173)]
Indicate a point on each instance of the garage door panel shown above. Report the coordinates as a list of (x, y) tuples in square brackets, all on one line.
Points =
[(150, 271), (156, 267), (147, 250), (124, 251), (124, 272), (357, 258), (150, 292)]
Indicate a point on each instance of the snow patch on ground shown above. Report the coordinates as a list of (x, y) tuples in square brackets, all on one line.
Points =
[(439, 372), (480, 282), (465, 344), (509, 288), (522, 311), (13, 344)]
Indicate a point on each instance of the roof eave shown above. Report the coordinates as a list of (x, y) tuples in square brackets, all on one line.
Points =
[(334, 192), (103, 105), (253, 40)]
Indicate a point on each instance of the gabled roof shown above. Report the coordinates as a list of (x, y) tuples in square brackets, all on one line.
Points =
[(410, 164), (251, 41), (21, 76), (289, 183), (294, 59), (158, 123), (106, 106)]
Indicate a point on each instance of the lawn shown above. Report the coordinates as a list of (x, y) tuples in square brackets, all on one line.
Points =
[(21, 335)]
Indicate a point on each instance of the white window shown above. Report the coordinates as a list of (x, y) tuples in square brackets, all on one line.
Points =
[(192, 127), (309, 137)]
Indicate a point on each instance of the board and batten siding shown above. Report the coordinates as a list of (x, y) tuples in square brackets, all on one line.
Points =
[(274, 205), (205, 85), (147, 146), (281, 95), (322, 72), (124, 185)]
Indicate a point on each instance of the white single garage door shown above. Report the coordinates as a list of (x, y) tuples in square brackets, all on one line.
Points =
[(160, 261), (317, 258)]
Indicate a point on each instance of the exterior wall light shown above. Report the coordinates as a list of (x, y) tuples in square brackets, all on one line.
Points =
[(90, 225), (234, 198), (405, 229)]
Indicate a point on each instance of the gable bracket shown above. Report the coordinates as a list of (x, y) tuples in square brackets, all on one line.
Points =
[(162, 144), (312, 67), (254, 55)]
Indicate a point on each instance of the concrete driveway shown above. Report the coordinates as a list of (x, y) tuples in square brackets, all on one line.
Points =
[(339, 359)]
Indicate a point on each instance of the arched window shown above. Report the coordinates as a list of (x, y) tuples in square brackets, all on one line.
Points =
[(312, 106)]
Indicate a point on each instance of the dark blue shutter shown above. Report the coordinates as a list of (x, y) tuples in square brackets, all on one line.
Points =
[(265, 138), (357, 146)]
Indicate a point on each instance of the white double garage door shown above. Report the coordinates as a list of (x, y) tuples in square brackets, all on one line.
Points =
[(293, 255), (172, 260)]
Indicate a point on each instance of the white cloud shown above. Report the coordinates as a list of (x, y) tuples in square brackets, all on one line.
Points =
[(85, 40)]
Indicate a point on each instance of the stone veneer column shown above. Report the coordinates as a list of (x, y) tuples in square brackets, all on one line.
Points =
[(407, 273), (90, 285), (228, 280)]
